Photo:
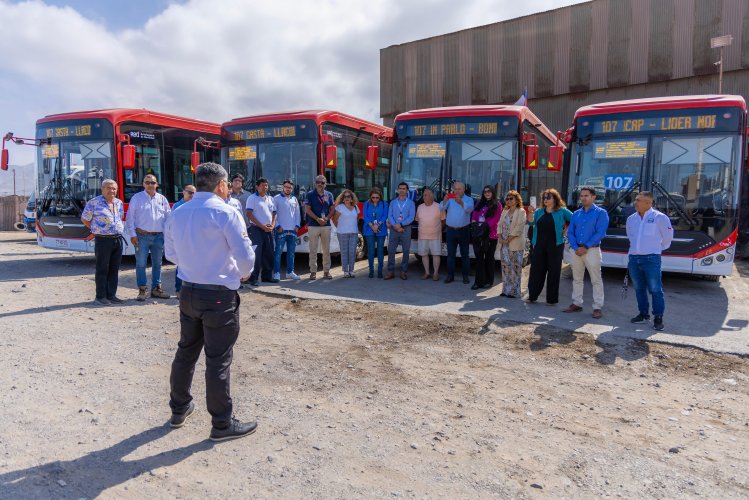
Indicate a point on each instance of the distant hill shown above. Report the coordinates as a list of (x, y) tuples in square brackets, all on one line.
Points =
[(25, 179)]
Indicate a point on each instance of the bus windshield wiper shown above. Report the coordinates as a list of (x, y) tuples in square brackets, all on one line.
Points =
[(622, 197), (657, 185)]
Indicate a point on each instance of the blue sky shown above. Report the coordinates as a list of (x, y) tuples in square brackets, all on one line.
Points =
[(212, 59)]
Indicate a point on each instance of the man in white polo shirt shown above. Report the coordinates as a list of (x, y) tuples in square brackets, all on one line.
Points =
[(261, 212)]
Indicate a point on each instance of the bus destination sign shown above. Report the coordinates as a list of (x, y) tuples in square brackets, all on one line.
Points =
[(265, 133), (70, 131), (657, 124), (425, 129), (426, 150), (242, 153)]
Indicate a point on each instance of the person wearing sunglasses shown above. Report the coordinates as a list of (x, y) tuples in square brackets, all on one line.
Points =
[(484, 221), (319, 209), (511, 240), (548, 225), (375, 229), (146, 215), (458, 211), (346, 220)]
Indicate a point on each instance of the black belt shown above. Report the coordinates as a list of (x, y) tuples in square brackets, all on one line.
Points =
[(457, 228), (111, 236), (201, 286), (146, 233)]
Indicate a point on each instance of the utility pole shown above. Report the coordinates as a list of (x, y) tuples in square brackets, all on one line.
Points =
[(14, 182), (719, 42)]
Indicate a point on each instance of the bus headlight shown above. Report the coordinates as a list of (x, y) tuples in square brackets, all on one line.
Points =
[(720, 258), (707, 261)]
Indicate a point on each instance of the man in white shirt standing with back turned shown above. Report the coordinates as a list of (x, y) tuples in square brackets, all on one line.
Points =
[(208, 241), (649, 232)]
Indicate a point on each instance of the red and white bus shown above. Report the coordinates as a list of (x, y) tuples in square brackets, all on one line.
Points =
[(352, 154), (688, 151), (77, 151), (507, 147)]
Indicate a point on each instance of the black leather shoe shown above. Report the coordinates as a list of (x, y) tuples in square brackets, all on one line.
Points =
[(466, 280), (475, 287), (178, 420), (235, 430), (449, 279), (115, 300), (253, 283)]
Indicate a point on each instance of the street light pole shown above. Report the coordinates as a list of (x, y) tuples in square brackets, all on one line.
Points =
[(720, 42), (14, 182)]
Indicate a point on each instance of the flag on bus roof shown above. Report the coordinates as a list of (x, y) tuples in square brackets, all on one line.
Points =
[(523, 101)]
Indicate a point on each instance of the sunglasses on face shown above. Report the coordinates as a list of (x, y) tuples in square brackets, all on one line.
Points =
[(375, 197), (548, 197), (189, 192), (348, 196), (319, 182), (150, 183), (510, 198)]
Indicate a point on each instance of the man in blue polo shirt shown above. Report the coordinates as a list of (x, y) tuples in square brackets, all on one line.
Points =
[(319, 210), (585, 232), (401, 213), (458, 220)]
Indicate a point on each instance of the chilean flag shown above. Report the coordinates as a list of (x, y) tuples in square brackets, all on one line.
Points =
[(523, 101)]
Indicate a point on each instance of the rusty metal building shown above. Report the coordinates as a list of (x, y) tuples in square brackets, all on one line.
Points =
[(598, 51)]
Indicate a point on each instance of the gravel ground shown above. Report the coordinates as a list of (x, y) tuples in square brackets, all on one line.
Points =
[(352, 400)]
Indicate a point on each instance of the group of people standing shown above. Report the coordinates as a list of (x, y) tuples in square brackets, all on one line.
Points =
[(207, 236)]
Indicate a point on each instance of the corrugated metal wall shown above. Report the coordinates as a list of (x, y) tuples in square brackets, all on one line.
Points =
[(590, 52), (11, 211)]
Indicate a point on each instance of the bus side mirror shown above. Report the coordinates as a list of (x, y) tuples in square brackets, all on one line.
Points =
[(128, 156), (5, 159), (371, 161), (531, 157), (331, 156), (194, 161), (556, 153)]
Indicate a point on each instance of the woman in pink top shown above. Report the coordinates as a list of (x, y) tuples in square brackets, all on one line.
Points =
[(429, 216), (484, 221)]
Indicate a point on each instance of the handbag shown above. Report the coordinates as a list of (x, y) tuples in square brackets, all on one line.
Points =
[(479, 230)]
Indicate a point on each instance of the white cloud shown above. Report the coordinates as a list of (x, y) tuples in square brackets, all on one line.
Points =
[(217, 60)]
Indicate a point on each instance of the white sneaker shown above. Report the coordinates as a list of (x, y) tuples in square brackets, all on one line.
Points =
[(345, 274), (293, 276), (277, 276)]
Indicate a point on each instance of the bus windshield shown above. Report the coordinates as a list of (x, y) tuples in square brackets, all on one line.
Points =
[(693, 177), (475, 162), (76, 158)]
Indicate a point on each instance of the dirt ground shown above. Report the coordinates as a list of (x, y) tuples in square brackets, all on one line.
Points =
[(352, 400)]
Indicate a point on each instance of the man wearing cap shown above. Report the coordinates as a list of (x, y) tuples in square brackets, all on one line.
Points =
[(207, 239), (146, 215)]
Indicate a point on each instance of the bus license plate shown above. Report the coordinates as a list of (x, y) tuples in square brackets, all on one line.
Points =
[(61, 243)]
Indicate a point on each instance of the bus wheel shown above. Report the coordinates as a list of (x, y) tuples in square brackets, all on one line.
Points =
[(361, 247), (713, 279)]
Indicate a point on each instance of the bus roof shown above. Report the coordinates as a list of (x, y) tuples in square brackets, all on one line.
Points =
[(117, 115), (521, 112), (655, 103), (318, 116)]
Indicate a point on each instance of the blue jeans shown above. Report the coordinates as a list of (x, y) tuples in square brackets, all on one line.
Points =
[(645, 272), (287, 238), (375, 244), (458, 237), (153, 244)]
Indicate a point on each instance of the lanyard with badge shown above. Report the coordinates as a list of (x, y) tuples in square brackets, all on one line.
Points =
[(323, 204), (401, 206)]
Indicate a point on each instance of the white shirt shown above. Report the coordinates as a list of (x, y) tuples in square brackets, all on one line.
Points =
[(650, 234), (262, 208), (288, 216), (236, 205), (147, 213), (207, 239), (348, 220)]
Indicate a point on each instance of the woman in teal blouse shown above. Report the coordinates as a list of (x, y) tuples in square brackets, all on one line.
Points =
[(548, 246)]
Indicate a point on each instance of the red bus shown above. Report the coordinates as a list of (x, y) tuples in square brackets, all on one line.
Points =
[(77, 151), (504, 146), (687, 151), (350, 152)]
